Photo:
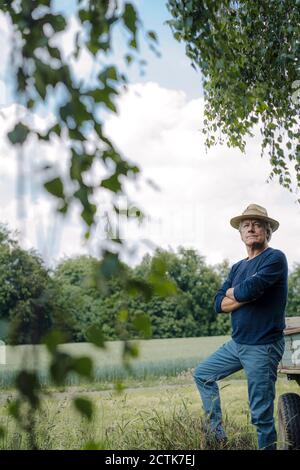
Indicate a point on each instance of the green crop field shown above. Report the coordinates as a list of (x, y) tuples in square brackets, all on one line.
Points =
[(158, 357)]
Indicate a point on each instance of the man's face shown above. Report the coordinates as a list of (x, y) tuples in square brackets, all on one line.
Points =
[(253, 232)]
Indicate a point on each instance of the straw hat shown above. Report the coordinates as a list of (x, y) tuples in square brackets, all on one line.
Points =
[(254, 211)]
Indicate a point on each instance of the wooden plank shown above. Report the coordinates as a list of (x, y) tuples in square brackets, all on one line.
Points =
[(288, 371), (292, 325)]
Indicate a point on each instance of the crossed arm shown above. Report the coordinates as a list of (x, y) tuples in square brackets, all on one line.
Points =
[(229, 303), (253, 287)]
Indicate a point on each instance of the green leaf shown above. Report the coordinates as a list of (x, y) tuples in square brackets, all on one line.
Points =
[(28, 385), (61, 365), (54, 52), (142, 324), (119, 387), (19, 134), (112, 183), (56, 129), (2, 432), (139, 286), (129, 58), (110, 265), (84, 15), (93, 445), (54, 339), (85, 407), (103, 96), (57, 22), (163, 287), (152, 35), (158, 267), (64, 208), (130, 350), (110, 73), (95, 335), (83, 366), (88, 213), (40, 84), (130, 17), (30, 103), (14, 409), (55, 187), (123, 315), (133, 43)]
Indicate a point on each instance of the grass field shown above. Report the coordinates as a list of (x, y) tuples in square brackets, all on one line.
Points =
[(160, 410), (162, 417)]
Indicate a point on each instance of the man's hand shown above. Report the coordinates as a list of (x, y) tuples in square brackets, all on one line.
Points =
[(228, 305), (230, 294)]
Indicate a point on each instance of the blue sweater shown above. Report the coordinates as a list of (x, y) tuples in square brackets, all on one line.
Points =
[(263, 280)]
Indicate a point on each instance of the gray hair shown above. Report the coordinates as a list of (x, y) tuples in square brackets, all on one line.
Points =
[(267, 226)]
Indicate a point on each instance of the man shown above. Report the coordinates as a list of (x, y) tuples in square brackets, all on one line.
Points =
[(255, 293)]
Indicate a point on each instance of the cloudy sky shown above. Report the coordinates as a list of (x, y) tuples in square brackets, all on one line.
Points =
[(158, 126)]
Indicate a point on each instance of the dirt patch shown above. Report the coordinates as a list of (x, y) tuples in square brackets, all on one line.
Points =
[(77, 391)]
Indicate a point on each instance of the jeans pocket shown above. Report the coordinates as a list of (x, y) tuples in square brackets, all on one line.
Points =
[(276, 350)]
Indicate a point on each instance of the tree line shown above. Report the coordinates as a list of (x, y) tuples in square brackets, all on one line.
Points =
[(74, 296)]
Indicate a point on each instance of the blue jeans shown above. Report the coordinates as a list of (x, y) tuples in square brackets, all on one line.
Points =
[(260, 364)]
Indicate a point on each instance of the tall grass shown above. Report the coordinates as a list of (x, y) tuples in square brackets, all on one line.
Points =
[(143, 418), (176, 427)]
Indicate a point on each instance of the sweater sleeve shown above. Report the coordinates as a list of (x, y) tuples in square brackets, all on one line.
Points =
[(273, 268), (222, 293)]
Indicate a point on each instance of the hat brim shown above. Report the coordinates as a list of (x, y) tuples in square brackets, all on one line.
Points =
[(235, 221)]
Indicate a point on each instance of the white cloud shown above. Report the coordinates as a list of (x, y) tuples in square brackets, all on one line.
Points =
[(3, 93), (5, 40), (160, 130)]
